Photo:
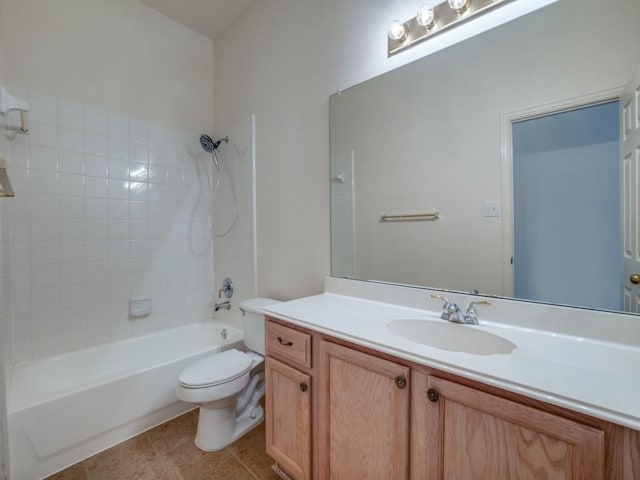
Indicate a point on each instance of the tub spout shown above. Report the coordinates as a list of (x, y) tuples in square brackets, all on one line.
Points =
[(222, 305)]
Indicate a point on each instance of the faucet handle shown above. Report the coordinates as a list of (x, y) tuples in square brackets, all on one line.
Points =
[(480, 302), (444, 299), (471, 315)]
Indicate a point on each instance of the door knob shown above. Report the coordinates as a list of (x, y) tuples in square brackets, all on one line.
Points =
[(635, 279)]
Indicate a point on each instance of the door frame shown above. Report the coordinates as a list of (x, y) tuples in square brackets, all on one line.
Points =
[(506, 131)]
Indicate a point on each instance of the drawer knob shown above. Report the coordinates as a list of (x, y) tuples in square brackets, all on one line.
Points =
[(433, 395), (282, 342), (401, 382), (303, 387)]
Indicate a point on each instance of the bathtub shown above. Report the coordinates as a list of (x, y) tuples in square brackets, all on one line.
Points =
[(66, 408)]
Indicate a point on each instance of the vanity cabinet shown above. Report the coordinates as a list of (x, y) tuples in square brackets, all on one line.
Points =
[(477, 435), (373, 416), (363, 415), (288, 400)]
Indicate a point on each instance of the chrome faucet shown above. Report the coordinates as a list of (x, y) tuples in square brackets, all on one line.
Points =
[(226, 305), (452, 313)]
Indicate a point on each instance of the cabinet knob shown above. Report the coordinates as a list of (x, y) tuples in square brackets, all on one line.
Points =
[(282, 342), (433, 395), (401, 382), (303, 387)]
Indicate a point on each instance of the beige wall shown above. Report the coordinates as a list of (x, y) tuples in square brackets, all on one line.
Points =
[(116, 55), (282, 60)]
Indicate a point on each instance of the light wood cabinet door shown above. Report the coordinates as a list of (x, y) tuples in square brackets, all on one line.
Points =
[(363, 416), (476, 435), (288, 418)]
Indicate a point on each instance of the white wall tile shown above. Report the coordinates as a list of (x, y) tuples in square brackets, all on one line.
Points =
[(72, 296), (118, 148), (71, 162), (71, 207), (118, 169), (71, 140), (95, 166), (139, 211), (138, 131), (138, 152), (72, 273), (71, 184), (70, 115), (45, 252), (42, 158), (119, 190), (98, 296), (95, 144), (97, 208), (75, 339), (96, 229), (118, 126), (18, 154), (97, 251), (41, 181), (46, 346), (44, 275), (103, 217), (43, 205), (43, 135), (118, 249), (43, 229), (72, 251), (96, 187), (71, 229), (95, 122), (118, 209), (98, 271), (119, 230)]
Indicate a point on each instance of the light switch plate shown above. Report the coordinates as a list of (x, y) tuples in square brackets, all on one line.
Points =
[(491, 208)]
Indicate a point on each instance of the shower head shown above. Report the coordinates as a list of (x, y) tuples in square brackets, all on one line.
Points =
[(209, 145)]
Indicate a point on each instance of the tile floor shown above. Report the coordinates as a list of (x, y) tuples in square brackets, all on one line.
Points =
[(167, 452)]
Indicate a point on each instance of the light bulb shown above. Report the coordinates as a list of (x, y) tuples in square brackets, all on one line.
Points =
[(426, 16), (459, 5), (396, 30)]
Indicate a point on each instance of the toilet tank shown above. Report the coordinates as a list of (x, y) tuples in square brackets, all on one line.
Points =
[(253, 322)]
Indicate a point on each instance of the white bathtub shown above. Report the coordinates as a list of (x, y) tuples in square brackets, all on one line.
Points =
[(66, 408)]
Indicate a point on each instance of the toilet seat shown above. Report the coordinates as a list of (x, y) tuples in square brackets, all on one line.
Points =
[(216, 369)]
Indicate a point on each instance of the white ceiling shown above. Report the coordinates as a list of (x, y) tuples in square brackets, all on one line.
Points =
[(208, 17)]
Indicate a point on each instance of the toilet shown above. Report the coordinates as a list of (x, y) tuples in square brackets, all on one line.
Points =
[(229, 385)]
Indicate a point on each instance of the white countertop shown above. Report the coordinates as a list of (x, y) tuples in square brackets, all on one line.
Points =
[(595, 377)]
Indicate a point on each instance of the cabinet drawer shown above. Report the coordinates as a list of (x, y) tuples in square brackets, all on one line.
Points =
[(288, 344)]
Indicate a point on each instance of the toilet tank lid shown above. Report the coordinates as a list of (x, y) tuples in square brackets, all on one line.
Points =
[(218, 368), (255, 305)]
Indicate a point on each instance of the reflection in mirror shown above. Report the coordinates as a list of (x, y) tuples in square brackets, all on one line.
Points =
[(436, 135)]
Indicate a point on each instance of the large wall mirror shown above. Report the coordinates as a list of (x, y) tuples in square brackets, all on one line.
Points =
[(513, 139)]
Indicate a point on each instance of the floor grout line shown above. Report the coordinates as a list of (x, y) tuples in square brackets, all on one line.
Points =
[(244, 465)]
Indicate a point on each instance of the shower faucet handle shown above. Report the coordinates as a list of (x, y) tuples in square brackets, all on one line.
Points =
[(227, 288)]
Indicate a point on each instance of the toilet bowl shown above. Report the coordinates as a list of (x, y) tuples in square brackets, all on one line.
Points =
[(228, 385)]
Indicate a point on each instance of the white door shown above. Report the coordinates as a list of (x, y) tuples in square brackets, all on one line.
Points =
[(630, 171)]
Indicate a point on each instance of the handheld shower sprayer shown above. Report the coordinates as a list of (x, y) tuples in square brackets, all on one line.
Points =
[(209, 145), (222, 172)]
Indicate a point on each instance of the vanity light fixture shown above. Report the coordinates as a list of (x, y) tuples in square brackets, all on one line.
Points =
[(426, 16), (431, 20), (459, 5), (397, 31)]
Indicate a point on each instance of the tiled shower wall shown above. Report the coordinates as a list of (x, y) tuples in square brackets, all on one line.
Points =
[(107, 209)]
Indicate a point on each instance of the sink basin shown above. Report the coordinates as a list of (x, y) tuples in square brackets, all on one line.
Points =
[(451, 336)]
